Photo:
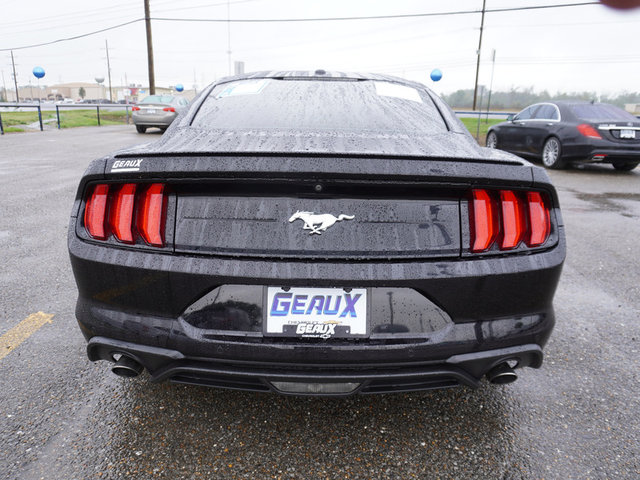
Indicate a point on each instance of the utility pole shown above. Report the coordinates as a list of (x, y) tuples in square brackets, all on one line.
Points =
[(4, 89), (106, 47), (15, 77), (475, 88), (147, 22), (229, 33)]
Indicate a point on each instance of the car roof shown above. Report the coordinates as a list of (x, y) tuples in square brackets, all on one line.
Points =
[(320, 74)]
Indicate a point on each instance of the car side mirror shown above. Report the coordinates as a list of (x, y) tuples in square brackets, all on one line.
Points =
[(510, 118)]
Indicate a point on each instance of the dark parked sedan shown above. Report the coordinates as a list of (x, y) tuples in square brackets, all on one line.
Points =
[(157, 111), (560, 132), (316, 234)]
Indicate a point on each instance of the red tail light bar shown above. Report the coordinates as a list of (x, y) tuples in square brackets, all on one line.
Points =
[(135, 109), (128, 212), (507, 218), (169, 109)]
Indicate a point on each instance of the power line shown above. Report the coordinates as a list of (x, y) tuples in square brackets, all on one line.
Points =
[(76, 37), (317, 19), (372, 17)]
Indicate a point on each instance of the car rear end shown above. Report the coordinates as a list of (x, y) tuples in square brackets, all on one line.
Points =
[(605, 133), (183, 275), (154, 111), (316, 272)]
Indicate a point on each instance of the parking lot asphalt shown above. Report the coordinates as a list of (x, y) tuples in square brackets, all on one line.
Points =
[(62, 417)]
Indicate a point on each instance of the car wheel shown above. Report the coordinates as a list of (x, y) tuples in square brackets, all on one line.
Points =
[(626, 167), (141, 129), (552, 154), (492, 140)]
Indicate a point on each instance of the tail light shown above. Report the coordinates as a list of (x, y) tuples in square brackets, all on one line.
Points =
[(135, 109), (507, 219), (151, 217), (484, 227), (169, 109), (128, 212), (95, 211), (588, 131)]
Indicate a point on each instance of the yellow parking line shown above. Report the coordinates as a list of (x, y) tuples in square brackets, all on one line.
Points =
[(18, 334)]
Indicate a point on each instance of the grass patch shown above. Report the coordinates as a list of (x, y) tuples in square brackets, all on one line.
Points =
[(88, 118), (472, 126)]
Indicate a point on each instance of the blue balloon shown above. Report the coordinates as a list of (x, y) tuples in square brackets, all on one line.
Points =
[(38, 72), (179, 87), (436, 74)]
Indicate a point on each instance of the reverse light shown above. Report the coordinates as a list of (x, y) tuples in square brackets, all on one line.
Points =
[(508, 218), (131, 213), (169, 109), (588, 131)]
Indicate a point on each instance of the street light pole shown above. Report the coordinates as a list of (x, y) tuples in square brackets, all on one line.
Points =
[(475, 88)]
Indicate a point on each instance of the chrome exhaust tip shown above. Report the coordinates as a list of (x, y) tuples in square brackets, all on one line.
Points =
[(502, 374), (127, 367)]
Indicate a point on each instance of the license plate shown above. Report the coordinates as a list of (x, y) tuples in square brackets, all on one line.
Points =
[(627, 134), (316, 312), (150, 110)]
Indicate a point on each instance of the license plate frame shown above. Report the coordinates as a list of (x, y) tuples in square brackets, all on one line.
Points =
[(627, 133), (316, 312)]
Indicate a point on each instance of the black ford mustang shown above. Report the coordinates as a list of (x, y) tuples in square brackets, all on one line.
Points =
[(316, 233)]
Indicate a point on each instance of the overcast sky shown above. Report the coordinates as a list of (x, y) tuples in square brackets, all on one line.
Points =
[(579, 48)]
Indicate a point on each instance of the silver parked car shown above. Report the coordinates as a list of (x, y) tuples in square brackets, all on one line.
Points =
[(157, 111)]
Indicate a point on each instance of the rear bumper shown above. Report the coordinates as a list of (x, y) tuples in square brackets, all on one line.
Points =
[(154, 120), (492, 309), (602, 151), (171, 365)]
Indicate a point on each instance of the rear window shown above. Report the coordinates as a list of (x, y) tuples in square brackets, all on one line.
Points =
[(157, 99), (602, 112), (320, 105)]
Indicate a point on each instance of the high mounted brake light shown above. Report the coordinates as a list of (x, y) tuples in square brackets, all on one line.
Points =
[(507, 219), (130, 212)]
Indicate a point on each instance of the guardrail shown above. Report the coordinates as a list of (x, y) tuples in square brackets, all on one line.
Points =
[(105, 106), (58, 107), (21, 105)]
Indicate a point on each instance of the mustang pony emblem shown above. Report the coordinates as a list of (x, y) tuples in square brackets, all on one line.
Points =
[(318, 223)]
